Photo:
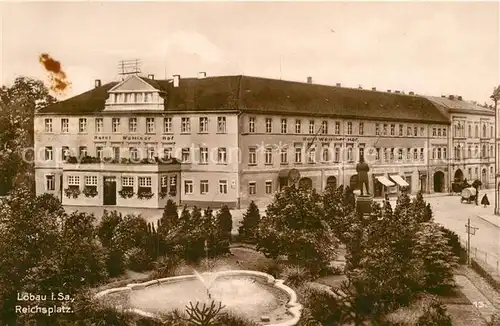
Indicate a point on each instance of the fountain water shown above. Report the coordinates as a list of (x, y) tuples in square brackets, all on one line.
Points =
[(206, 283)]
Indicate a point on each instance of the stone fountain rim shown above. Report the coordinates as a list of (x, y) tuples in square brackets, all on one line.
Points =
[(293, 307)]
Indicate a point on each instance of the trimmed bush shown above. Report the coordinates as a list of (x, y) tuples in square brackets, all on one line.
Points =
[(137, 260)]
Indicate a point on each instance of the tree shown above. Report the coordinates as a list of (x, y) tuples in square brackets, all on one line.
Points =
[(249, 227), (224, 224), (338, 211), (18, 104), (170, 217), (107, 226), (295, 226)]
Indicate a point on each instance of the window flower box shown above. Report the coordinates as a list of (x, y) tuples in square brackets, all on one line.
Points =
[(90, 191), (163, 193), (126, 192), (144, 193), (72, 191)]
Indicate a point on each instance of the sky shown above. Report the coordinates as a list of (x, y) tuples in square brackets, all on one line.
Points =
[(429, 48)]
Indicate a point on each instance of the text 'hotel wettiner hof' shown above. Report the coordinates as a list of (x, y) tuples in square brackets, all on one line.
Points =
[(46, 304)]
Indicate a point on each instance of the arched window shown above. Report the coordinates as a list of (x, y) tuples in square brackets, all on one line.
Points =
[(484, 131), (477, 132), (470, 131), (483, 154), (469, 152)]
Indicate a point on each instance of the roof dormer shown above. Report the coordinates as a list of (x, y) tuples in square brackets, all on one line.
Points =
[(136, 93)]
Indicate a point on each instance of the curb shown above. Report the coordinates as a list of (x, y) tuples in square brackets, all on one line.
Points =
[(495, 225)]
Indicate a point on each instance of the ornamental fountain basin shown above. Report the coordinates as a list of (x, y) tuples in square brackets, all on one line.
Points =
[(249, 294)]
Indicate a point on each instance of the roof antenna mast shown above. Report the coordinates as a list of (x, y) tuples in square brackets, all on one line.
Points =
[(129, 67)]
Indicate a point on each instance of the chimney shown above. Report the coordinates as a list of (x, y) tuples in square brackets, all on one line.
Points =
[(374, 88), (388, 91), (151, 76), (309, 80), (451, 97), (202, 75), (177, 79), (97, 83), (338, 84), (360, 87), (397, 92), (459, 98), (443, 96), (411, 93)]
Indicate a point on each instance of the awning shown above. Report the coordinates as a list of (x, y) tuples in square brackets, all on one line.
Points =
[(400, 181), (386, 182)]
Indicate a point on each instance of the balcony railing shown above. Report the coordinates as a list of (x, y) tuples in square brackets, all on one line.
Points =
[(110, 160)]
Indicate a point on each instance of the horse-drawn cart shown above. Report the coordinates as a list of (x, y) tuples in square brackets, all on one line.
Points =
[(469, 195)]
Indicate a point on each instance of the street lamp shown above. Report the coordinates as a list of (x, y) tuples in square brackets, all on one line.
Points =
[(471, 230)]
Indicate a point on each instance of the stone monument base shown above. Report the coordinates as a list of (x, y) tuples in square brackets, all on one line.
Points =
[(364, 204)]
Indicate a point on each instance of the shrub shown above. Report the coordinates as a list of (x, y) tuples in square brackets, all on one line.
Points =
[(229, 319), (249, 226), (137, 260), (272, 268), (322, 306), (435, 315), (495, 320), (295, 275), (166, 266), (454, 244)]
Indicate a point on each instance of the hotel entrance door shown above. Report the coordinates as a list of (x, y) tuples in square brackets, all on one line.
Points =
[(109, 191)]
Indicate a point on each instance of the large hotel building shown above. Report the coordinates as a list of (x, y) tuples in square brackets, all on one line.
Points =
[(209, 141)]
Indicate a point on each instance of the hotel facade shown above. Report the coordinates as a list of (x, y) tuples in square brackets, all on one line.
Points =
[(209, 141)]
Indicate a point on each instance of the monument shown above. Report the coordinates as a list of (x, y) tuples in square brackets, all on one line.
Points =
[(363, 202)]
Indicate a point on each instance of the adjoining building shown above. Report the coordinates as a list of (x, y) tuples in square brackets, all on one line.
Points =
[(209, 141)]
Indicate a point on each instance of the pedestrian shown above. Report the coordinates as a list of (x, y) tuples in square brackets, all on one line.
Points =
[(485, 201)]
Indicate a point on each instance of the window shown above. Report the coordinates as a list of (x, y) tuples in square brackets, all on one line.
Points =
[(298, 126), (385, 154), (138, 98), (415, 154), (188, 187), (298, 155), (269, 187), (377, 154), (50, 182), (400, 130), (203, 187), (444, 153), (269, 126), (400, 154), (173, 185), (48, 125), (251, 124), (49, 153), (349, 128), (203, 121), (392, 154), (222, 155), (393, 130), (385, 129), (361, 129), (421, 154), (408, 131), (252, 188), (350, 158), (268, 156), (99, 124), (408, 154), (65, 153), (434, 132), (470, 173), (325, 154), (65, 124), (491, 133), (167, 153), (477, 131), (185, 154), (444, 132), (312, 129), (337, 128), (470, 131), (144, 182), (439, 153), (476, 170), (115, 123), (167, 125), (283, 126), (150, 125), (116, 153), (311, 156), (132, 124), (361, 152), (284, 155), (221, 124), (324, 127), (433, 153), (151, 153), (99, 151), (83, 151), (483, 154), (252, 155), (73, 180), (203, 155), (133, 153), (91, 180), (337, 154), (164, 183), (439, 132), (415, 131), (377, 129), (223, 186), (82, 125), (185, 125), (469, 151)]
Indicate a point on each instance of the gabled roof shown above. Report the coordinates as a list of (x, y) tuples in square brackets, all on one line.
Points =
[(459, 106), (272, 96)]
